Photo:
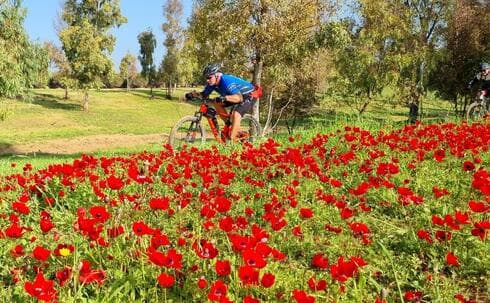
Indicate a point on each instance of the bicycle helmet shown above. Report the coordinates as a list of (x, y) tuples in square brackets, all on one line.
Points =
[(211, 69), (484, 66)]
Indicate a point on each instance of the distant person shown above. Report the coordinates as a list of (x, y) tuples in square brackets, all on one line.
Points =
[(482, 78), (232, 90)]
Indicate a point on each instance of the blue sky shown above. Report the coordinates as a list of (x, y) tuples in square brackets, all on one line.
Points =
[(141, 14)]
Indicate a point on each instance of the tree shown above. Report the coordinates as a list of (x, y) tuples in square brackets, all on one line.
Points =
[(23, 64), (147, 43), (61, 67), (87, 41), (172, 29), (467, 44), (252, 40), (368, 51), (128, 69), (427, 22)]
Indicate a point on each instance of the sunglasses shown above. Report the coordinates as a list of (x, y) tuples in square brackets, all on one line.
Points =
[(209, 77)]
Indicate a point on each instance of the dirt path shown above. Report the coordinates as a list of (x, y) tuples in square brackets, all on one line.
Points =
[(86, 144)]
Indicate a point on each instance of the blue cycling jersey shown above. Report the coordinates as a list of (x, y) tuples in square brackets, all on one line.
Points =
[(229, 85)]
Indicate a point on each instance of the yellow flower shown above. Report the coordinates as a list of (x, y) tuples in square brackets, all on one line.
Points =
[(65, 252)]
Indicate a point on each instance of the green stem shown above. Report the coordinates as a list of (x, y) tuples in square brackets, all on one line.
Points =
[(387, 254)]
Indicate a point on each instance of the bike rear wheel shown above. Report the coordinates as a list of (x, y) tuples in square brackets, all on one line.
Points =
[(475, 112), (249, 129), (187, 131)]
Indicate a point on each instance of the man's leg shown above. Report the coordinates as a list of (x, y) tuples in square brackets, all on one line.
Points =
[(235, 125), (221, 110)]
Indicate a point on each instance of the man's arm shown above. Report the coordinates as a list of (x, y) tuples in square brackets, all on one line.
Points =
[(235, 98)]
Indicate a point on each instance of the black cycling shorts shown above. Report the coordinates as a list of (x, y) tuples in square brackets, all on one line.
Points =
[(242, 108)]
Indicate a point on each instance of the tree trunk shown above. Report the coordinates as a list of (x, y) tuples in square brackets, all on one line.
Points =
[(66, 93), (127, 84), (258, 65), (85, 100), (169, 89)]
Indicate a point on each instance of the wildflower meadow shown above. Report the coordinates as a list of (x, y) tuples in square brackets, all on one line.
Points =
[(353, 215)]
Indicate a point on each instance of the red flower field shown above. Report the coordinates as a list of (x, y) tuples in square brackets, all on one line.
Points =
[(349, 216)]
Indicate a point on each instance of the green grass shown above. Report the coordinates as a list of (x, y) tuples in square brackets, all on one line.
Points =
[(46, 115)]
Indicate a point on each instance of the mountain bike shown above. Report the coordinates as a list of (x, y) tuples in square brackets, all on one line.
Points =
[(191, 130), (480, 107)]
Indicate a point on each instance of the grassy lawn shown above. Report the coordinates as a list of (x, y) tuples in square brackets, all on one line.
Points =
[(48, 116)]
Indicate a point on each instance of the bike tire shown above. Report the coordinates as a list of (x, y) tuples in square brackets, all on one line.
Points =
[(249, 130), (188, 131), (475, 112)]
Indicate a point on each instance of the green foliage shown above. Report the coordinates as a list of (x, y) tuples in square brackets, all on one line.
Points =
[(467, 45), (87, 41), (23, 64), (128, 69), (172, 29), (83, 48), (251, 40), (147, 43)]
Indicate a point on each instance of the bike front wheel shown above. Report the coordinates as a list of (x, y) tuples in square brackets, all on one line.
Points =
[(188, 131), (249, 129), (475, 111)]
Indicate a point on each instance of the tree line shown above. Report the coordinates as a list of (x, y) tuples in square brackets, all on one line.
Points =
[(300, 51)]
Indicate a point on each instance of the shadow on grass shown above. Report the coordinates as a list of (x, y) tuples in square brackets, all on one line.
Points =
[(157, 94), (53, 102), (8, 151)]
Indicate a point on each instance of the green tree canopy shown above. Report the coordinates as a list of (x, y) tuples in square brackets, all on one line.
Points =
[(172, 29), (87, 42), (23, 64), (147, 43), (261, 39), (128, 69)]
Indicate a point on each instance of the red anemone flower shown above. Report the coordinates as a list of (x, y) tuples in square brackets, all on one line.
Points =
[(248, 275), (17, 251), (413, 296), (451, 259), (480, 229), (317, 286), (88, 275), (63, 275), (41, 288), (300, 296), (253, 259), (305, 213), (99, 213), (218, 291), (468, 166), (268, 279), (114, 182), (161, 203), (319, 261), (223, 268), (478, 207), (166, 280), (41, 254)]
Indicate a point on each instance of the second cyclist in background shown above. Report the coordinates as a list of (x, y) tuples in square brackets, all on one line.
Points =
[(483, 79)]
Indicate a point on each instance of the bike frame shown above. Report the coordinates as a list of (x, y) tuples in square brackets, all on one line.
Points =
[(203, 110)]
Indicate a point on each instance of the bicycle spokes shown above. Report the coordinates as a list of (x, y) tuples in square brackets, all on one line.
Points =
[(192, 132)]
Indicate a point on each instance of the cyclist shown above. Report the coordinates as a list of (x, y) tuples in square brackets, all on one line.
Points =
[(482, 77), (232, 90)]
